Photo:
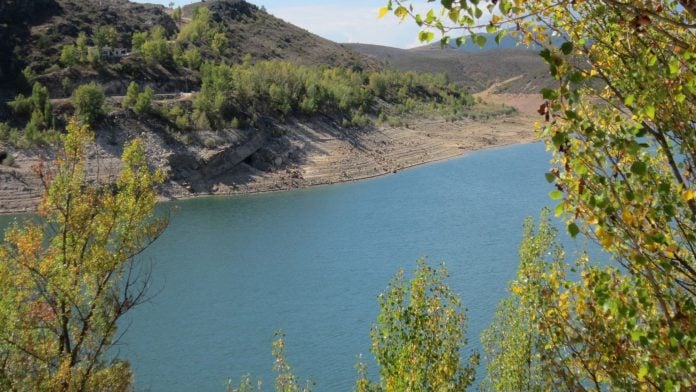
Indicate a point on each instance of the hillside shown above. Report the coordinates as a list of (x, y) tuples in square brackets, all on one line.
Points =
[(475, 70), (33, 33), (253, 31)]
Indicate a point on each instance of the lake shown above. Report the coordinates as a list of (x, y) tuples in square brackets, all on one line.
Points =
[(230, 272)]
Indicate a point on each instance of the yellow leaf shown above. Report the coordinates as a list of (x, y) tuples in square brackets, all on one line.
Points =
[(689, 194), (382, 12)]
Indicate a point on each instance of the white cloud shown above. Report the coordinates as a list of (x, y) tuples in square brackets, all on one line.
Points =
[(343, 23)]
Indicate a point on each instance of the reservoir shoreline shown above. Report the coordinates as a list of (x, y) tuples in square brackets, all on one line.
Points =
[(330, 158)]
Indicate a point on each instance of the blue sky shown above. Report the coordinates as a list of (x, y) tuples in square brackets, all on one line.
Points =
[(338, 20)]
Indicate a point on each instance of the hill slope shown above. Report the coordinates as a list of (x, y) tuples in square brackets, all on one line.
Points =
[(475, 70), (252, 31), (32, 34)]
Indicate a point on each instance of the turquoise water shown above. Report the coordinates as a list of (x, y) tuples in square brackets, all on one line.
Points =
[(230, 272)]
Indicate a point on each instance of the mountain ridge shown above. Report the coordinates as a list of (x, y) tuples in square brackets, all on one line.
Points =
[(474, 70)]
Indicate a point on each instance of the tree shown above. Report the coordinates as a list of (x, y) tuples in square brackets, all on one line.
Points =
[(623, 136), (192, 58), (512, 343), (419, 335), (285, 381), (39, 96), (69, 56), (81, 44), (140, 102), (154, 48), (66, 83), (144, 102), (138, 40), (131, 95), (219, 43), (105, 36), (88, 101), (67, 278), (177, 15)]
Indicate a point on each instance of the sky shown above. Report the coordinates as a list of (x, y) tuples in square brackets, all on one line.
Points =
[(353, 21)]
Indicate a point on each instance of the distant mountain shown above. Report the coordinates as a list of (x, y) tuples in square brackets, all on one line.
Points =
[(476, 70), (506, 42)]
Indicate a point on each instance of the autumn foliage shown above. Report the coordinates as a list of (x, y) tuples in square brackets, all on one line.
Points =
[(67, 276), (620, 125)]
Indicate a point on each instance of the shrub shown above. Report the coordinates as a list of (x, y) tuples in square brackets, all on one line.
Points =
[(144, 102), (21, 105), (88, 101), (131, 95), (67, 85), (69, 56)]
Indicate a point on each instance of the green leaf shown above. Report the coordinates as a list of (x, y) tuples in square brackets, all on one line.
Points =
[(638, 168), (573, 230), (556, 195), (430, 16), (549, 93), (426, 36), (460, 40), (571, 115), (454, 15), (558, 211), (650, 111), (550, 178), (567, 48), (480, 40), (401, 12), (629, 100), (576, 77), (444, 41), (674, 67), (505, 6)]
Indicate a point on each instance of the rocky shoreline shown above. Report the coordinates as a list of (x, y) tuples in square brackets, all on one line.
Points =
[(310, 152)]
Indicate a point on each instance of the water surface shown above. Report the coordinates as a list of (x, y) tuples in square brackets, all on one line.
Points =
[(230, 272)]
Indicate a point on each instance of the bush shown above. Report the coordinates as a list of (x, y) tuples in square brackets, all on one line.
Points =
[(88, 101), (67, 85), (154, 46), (69, 56), (21, 105), (131, 95), (144, 102)]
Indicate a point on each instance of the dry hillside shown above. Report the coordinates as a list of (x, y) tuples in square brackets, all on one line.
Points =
[(475, 70)]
